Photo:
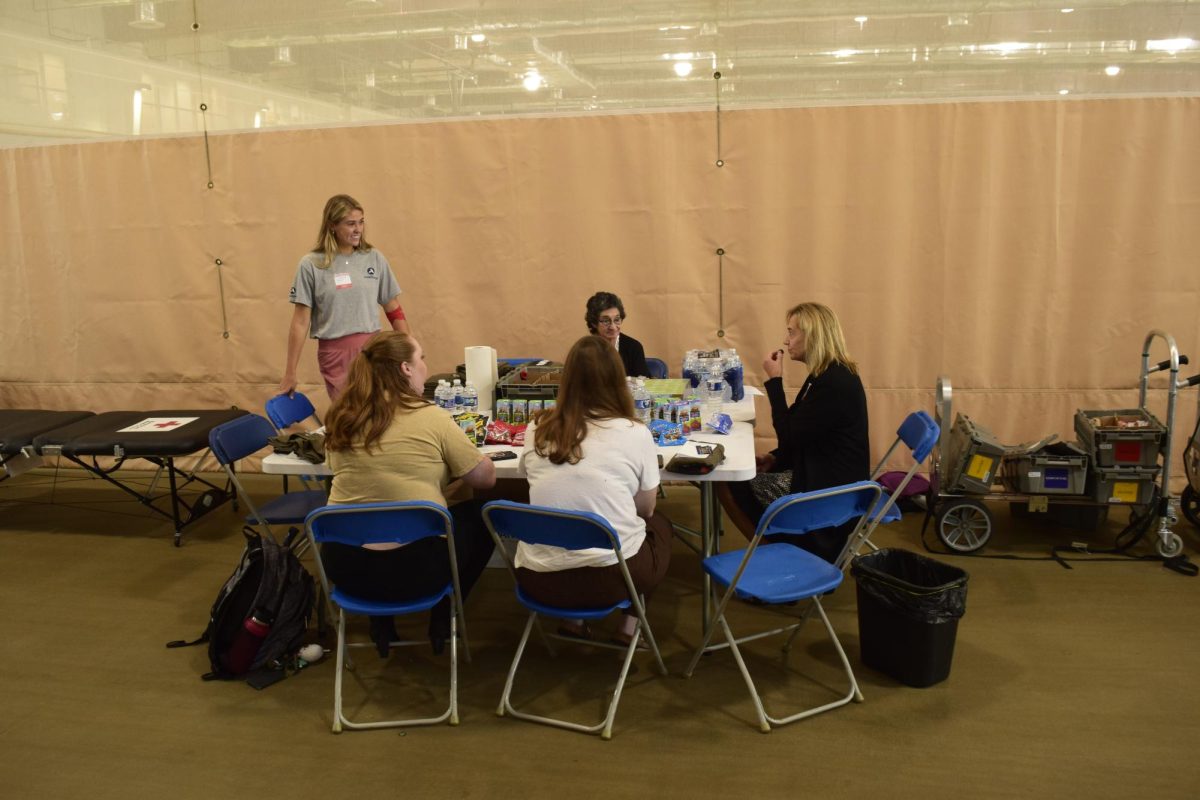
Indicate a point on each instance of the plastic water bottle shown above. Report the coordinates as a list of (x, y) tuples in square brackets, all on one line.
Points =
[(691, 368), (470, 398), (439, 394), (713, 394), (641, 401), (734, 377), (457, 396)]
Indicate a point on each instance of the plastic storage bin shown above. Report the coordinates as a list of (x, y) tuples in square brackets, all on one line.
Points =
[(531, 381), (972, 458), (908, 612), (1058, 468), (1128, 437), (1127, 485)]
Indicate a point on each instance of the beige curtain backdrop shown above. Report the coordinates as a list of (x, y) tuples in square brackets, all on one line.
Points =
[(1024, 248)]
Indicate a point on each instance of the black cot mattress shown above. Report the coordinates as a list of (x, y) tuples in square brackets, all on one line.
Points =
[(136, 433), (20, 426)]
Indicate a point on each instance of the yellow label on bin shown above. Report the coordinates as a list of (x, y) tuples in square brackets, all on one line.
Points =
[(1124, 492), (980, 467)]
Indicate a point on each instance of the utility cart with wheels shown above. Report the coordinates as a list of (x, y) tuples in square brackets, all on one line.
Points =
[(1116, 462)]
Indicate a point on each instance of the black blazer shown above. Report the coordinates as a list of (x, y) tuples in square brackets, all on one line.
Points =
[(633, 356), (823, 436)]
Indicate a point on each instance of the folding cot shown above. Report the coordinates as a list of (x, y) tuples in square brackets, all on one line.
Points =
[(159, 437)]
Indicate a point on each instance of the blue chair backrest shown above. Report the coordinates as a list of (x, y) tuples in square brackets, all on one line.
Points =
[(824, 508), (377, 523), (570, 530), (657, 367), (919, 433), (234, 440), (284, 410)]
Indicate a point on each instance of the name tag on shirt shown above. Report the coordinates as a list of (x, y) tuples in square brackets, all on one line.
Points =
[(341, 280)]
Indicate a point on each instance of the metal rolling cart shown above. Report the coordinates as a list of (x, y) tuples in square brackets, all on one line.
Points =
[(968, 460)]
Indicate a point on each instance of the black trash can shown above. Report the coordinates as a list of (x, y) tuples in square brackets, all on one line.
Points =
[(908, 611)]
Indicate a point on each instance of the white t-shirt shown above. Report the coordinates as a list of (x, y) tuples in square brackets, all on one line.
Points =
[(619, 460)]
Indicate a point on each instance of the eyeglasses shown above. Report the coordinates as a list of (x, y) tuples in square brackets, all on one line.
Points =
[(610, 322)]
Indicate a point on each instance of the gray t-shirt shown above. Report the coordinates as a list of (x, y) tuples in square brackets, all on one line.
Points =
[(345, 296)]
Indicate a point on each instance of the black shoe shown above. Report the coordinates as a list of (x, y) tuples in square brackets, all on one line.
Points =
[(439, 628), (383, 633)]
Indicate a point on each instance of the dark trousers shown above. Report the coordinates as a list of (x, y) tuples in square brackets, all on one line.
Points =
[(595, 587), (417, 569)]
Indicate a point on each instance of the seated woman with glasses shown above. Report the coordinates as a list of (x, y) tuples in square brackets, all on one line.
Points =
[(386, 443), (590, 453), (604, 316)]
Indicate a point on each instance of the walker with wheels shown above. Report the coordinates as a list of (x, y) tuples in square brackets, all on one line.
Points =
[(964, 524)]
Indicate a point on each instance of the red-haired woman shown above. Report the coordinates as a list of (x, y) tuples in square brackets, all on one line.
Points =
[(590, 453)]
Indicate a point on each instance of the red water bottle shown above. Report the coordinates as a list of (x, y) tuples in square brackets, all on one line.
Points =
[(247, 642)]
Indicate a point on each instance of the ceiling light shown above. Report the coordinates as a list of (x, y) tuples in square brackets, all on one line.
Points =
[(1171, 46), (478, 37), (283, 57), (144, 17), (1112, 70), (844, 53), (532, 81), (1064, 91), (1066, 10), (1004, 48), (683, 68), (861, 18)]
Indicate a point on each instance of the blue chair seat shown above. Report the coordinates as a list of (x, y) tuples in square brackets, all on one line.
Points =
[(777, 573), (572, 612), (377, 608), (293, 507)]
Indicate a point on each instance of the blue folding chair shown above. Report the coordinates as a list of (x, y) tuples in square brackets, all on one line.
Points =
[(919, 433), (399, 523), (657, 367), (286, 410), (234, 440), (777, 574), (570, 530)]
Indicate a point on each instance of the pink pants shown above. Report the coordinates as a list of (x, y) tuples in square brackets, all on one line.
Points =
[(334, 357)]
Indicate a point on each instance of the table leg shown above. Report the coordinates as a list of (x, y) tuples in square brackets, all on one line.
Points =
[(710, 540)]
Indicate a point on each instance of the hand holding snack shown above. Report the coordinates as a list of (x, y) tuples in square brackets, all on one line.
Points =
[(773, 364)]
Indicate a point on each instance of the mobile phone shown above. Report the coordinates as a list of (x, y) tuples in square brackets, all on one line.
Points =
[(503, 455)]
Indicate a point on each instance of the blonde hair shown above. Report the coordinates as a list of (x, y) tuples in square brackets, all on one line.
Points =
[(337, 208), (824, 342), (375, 389), (593, 388)]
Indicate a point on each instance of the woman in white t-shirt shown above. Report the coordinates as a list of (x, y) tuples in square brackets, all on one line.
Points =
[(590, 453)]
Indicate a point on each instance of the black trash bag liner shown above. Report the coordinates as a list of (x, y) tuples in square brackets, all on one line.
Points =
[(920, 588)]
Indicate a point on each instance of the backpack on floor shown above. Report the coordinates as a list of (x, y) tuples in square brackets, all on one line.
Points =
[(260, 614)]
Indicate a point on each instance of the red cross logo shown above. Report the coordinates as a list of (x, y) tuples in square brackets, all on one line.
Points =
[(168, 424)]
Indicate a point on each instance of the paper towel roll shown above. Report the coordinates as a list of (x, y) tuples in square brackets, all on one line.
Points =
[(482, 372)]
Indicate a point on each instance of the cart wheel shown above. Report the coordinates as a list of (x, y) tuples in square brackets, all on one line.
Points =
[(1170, 546), (1189, 501), (964, 525)]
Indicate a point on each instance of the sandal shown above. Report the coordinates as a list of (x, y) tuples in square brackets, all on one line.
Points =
[(575, 630)]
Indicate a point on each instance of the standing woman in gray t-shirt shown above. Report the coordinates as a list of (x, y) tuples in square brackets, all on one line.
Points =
[(335, 295)]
